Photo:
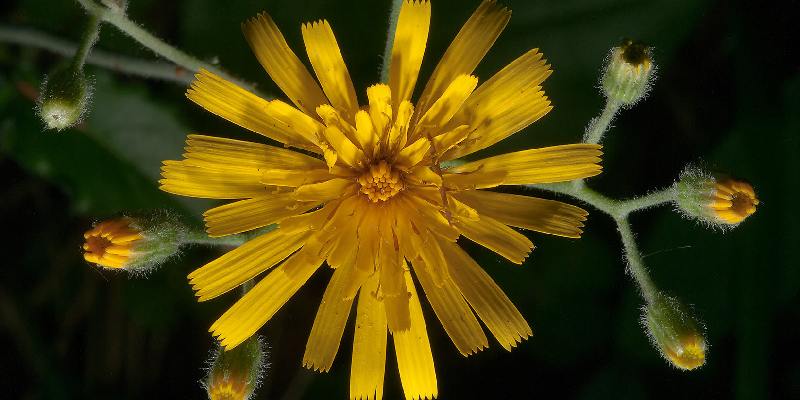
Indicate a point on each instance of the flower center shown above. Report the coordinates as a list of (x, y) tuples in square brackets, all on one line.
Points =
[(380, 182)]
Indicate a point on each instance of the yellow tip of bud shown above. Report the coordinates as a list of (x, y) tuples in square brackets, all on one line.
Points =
[(236, 373), (629, 72), (733, 201), (690, 354), (111, 243), (675, 332)]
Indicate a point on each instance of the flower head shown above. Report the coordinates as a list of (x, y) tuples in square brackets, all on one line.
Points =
[(718, 200), (366, 193)]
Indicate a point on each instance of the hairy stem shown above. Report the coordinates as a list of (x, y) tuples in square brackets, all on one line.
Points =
[(600, 124), (394, 14), (114, 62), (635, 265), (156, 45), (88, 40)]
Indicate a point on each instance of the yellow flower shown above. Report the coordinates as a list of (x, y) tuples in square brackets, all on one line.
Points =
[(367, 195)]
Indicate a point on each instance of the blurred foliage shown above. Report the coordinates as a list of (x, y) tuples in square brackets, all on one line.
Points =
[(728, 93)]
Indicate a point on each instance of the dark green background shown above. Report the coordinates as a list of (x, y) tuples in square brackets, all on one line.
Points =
[(727, 95)]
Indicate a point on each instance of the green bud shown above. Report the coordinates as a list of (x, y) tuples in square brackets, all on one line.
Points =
[(63, 97), (236, 373), (629, 73), (675, 332), (136, 244), (719, 201)]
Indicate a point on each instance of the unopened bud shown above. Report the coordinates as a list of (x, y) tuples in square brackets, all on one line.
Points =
[(235, 374), (135, 244), (63, 97), (675, 332), (628, 73), (721, 201)]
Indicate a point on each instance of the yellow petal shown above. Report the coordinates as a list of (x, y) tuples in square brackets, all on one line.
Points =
[(282, 65), (323, 342), (223, 154), (323, 51), (293, 120), (398, 134), (508, 102), (294, 177), (324, 191), (467, 49), (243, 263), (544, 165), (311, 221), (242, 108), (258, 306), (380, 110), (446, 106), (540, 215), (430, 217), (413, 154), (414, 356), (452, 310), (346, 151), (408, 48), (393, 287), (245, 215), (369, 345), (446, 141), (180, 177), (366, 136), (496, 237), (477, 179), (486, 298)]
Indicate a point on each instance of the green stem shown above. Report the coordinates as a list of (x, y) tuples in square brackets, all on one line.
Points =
[(156, 45), (88, 40), (600, 124), (113, 62), (614, 208), (634, 258), (619, 211), (394, 14)]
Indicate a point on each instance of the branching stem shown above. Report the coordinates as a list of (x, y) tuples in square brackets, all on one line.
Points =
[(114, 62), (156, 45)]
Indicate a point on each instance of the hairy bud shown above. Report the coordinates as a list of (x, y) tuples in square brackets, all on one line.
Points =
[(63, 97), (629, 73), (136, 244), (236, 373), (717, 200), (675, 332)]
